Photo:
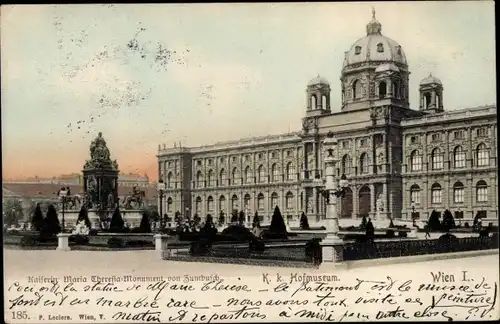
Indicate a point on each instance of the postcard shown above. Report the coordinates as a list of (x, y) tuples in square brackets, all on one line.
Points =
[(238, 162)]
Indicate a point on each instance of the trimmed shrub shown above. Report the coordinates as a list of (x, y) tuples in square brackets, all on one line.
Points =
[(448, 222), (28, 241), (84, 215), (434, 223), (117, 224), (402, 234), (79, 239), (116, 242), (257, 245), (51, 225), (234, 216), (241, 218), (145, 226), (277, 222), (313, 251), (93, 232), (466, 225), (304, 222), (256, 220), (390, 234), (200, 247), (237, 233), (138, 243), (364, 221), (222, 218), (37, 220)]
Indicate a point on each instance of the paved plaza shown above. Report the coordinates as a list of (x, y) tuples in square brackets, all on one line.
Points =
[(19, 264)]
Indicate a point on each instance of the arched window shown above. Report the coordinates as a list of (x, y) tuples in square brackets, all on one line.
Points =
[(458, 157), (222, 177), (324, 103), (458, 192), (199, 179), (246, 202), (415, 161), (247, 175), (222, 203), (346, 164), (313, 102), (262, 174), (436, 197), (234, 202), (198, 205), (275, 172), (170, 183), (356, 90), (260, 201), (363, 163), (170, 204), (274, 200), (235, 176), (210, 178), (289, 200), (437, 159), (210, 204), (481, 191), (382, 89), (415, 194), (483, 155), (396, 90), (290, 171), (427, 100), (380, 47)]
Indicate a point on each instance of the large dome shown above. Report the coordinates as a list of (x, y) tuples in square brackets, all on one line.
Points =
[(374, 47)]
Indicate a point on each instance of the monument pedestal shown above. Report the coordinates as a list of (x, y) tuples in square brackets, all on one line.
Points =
[(63, 242), (332, 249)]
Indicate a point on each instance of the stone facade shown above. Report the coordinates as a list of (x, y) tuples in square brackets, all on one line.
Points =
[(379, 138)]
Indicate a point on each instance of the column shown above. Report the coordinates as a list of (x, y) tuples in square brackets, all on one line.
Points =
[(297, 203), (305, 167), (372, 199), (282, 200), (355, 201), (315, 162), (433, 98), (314, 201)]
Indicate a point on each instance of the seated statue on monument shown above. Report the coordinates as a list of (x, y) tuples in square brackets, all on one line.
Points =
[(136, 197)]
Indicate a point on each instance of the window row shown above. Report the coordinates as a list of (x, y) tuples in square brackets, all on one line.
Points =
[(458, 193), (248, 176), (481, 157), (247, 203)]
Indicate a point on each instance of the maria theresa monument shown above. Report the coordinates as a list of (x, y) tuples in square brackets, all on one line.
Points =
[(402, 160)]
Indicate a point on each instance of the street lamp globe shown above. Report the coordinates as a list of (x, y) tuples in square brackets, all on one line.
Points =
[(343, 183), (161, 186)]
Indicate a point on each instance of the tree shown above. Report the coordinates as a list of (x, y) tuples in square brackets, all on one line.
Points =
[(12, 212), (433, 223), (222, 218), (241, 218), (209, 226), (448, 222), (83, 215), (145, 225), (234, 216), (37, 220), (117, 222), (304, 222), (51, 225), (277, 222), (256, 221), (364, 221)]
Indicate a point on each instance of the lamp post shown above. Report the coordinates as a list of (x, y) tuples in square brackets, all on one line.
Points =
[(161, 192), (333, 189), (63, 193)]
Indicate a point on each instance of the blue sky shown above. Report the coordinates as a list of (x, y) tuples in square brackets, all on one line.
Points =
[(150, 74)]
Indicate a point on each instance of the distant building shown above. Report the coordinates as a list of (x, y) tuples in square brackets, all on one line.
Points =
[(131, 180)]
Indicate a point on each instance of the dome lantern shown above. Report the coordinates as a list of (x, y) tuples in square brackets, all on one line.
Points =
[(374, 27)]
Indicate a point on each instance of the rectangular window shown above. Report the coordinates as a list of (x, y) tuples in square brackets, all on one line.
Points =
[(260, 203), (482, 132), (458, 135), (436, 137), (482, 194), (458, 195), (289, 203), (436, 196), (483, 157), (437, 161), (413, 140), (416, 163), (459, 159), (363, 143), (415, 197)]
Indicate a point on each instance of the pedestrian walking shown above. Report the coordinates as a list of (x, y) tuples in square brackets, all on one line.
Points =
[(427, 231)]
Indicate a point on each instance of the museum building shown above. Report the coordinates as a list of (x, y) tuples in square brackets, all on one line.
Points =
[(400, 162)]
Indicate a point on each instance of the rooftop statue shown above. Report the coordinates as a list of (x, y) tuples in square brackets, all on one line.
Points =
[(99, 155)]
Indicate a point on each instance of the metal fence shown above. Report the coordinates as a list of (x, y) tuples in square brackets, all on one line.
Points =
[(446, 244)]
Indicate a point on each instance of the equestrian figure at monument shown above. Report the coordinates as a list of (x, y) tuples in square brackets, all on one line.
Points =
[(136, 197)]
